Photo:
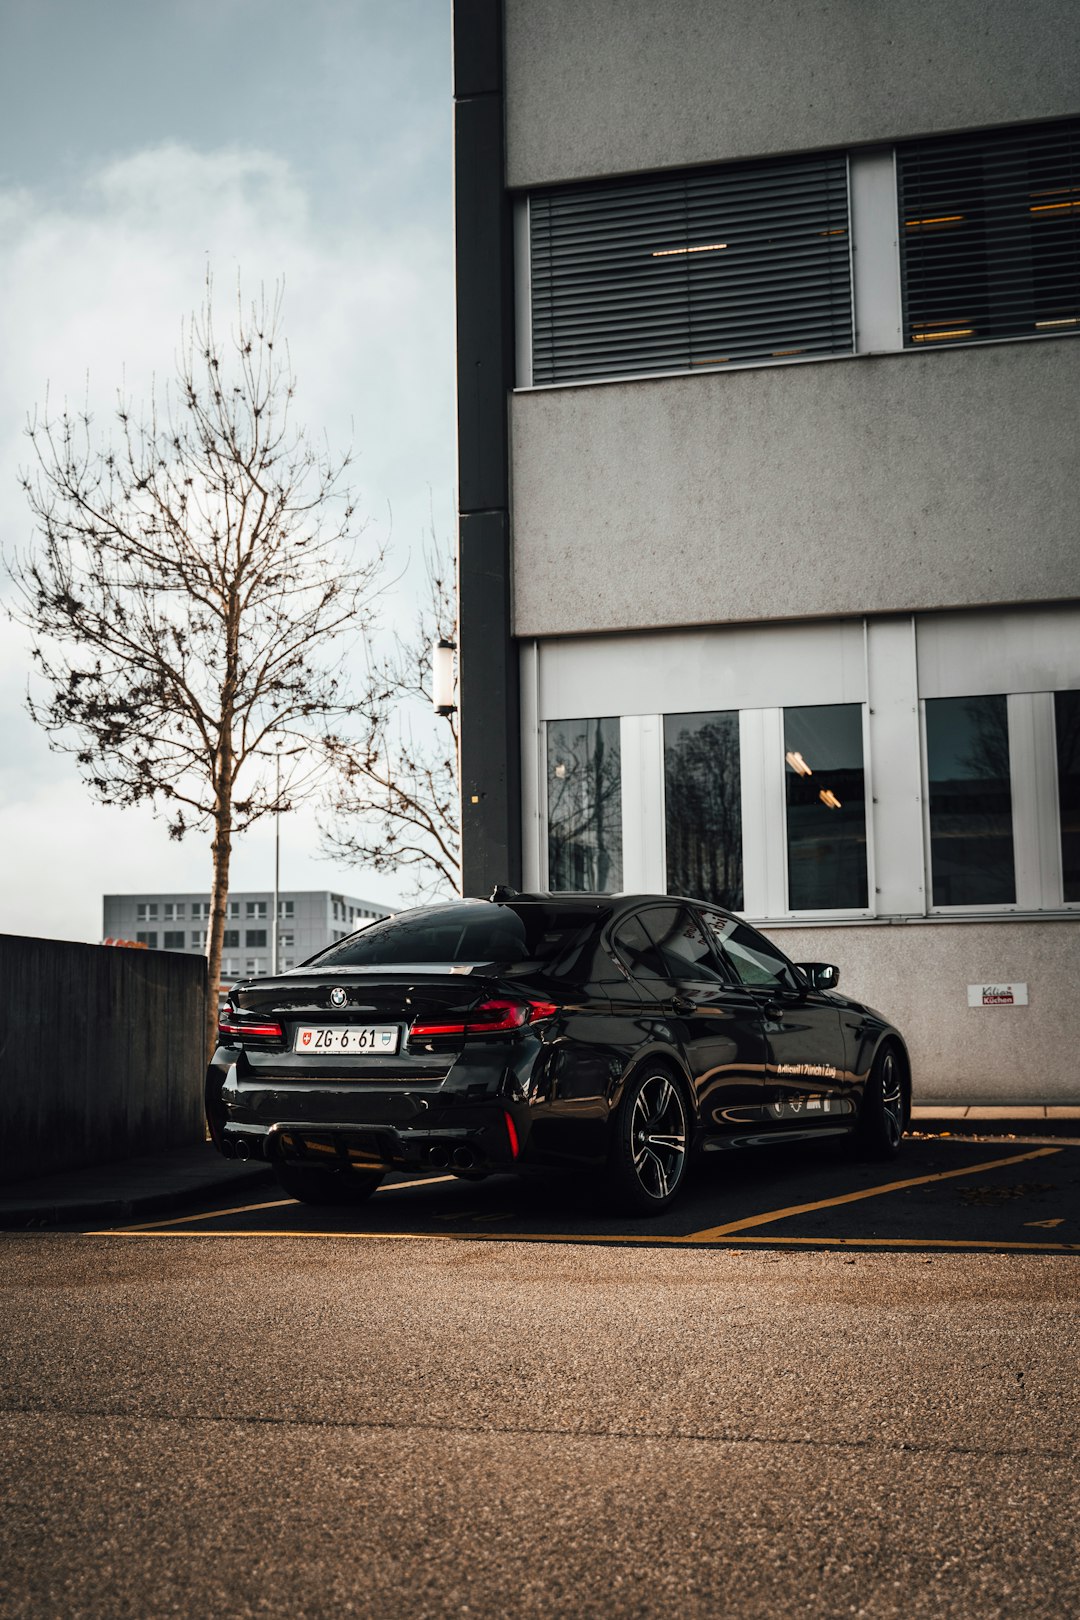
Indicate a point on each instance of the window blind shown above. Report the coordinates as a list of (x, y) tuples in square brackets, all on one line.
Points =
[(706, 267), (990, 235)]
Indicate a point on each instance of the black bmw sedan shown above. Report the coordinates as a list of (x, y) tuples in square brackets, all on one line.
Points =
[(611, 1036)]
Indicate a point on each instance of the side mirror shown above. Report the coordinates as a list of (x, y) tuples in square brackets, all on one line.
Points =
[(822, 975)]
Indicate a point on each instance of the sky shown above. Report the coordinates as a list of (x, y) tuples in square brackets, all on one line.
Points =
[(141, 144)]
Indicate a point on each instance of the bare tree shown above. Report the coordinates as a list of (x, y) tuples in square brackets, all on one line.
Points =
[(194, 581), (393, 805)]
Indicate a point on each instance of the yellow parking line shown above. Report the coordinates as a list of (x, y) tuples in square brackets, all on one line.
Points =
[(273, 1203), (630, 1239), (712, 1232)]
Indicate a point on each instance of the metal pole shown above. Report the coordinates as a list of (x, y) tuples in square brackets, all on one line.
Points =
[(277, 866)]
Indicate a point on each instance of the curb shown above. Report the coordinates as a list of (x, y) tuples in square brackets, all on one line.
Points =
[(21, 1217)]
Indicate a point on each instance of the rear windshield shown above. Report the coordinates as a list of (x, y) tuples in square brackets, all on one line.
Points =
[(481, 932)]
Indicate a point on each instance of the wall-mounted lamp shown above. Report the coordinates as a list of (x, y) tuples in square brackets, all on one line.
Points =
[(442, 676)]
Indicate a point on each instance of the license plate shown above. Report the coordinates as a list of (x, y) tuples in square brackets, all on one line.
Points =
[(352, 1038)]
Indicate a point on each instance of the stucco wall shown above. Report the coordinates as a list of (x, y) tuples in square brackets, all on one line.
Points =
[(613, 86), (917, 976), (872, 485)]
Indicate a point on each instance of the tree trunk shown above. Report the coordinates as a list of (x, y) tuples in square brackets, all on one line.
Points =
[(219, 894)]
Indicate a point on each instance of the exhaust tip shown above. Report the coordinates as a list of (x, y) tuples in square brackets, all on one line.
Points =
[(464, 1158), (438, 1157), (242, 1149)]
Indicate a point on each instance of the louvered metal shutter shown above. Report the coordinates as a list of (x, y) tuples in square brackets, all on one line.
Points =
[(990, 235), (708, 267)]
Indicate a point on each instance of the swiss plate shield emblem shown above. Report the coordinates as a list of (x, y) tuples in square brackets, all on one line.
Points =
[(306, 1037)]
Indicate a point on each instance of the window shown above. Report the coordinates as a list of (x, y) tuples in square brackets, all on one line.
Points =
[(255, 936), (638, 949), (174, 940), (584, 790), (229, 966), (174, 910), (289, 962), (149, 940), (667, 272), (256, 908), (287, 941), (524, 931), (702, 807), (683, 946), (285, 908), (990, 235), (146, 910), (198, 939), (1067, 736), (752, 958), (231, 939), (251, 965), (968, 780), (234, 909), (826, 808)]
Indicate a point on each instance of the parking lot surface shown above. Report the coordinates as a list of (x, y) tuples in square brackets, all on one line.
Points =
[(941, 1193), (815, 1388)]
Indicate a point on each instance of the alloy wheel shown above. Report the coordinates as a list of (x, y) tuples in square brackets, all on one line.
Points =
[(892, 1100), (658, 1136)]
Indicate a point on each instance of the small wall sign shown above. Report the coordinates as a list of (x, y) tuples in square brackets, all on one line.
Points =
[(997, 995)]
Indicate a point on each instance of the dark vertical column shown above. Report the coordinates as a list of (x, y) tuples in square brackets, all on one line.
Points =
[(487, 655)]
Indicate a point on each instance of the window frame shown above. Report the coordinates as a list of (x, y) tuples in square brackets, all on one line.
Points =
[(1036, 822), (524, 336)]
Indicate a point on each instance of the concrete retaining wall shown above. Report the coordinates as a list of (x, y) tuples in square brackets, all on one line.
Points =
[(101, 1053), (917, 975)]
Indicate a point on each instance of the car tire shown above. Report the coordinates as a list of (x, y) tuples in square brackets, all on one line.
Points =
[(327, 1187), (883, 1117), (649, 1152)]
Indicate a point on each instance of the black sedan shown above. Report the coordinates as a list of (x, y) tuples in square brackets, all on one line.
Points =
[(614, 1036)]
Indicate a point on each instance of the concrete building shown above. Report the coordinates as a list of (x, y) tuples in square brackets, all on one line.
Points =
[(308, 920), (769, 442)]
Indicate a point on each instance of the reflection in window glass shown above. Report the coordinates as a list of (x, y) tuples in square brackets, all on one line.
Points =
[(826, 808), (584, 787), (684, 949), (971, 835), (1067, 725), (754, 959), (703, 807)]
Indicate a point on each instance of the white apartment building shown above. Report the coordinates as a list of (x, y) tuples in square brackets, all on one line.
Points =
[(308, 920)]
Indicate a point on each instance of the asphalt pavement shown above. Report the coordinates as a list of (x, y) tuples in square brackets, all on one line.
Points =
[(817, 1388)]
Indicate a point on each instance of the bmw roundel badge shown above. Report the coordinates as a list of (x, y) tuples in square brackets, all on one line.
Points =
[(338, 996)]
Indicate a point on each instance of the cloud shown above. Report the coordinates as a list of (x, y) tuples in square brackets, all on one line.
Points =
[(92, 292)]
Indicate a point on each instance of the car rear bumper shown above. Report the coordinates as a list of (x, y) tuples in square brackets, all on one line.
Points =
[(489, 1141), (474, 1117)]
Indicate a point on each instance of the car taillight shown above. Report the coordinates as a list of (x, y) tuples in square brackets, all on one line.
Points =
[(228, 1024), (489, 1018)]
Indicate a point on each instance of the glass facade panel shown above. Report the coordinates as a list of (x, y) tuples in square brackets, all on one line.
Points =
[(971, 832), (584, 789), (1067, 726), (826, 808), (703, 807)]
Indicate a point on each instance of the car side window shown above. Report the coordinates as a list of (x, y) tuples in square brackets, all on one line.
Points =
[(754, 961), (684, 947), (637, 950)]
